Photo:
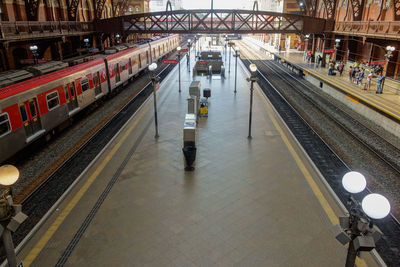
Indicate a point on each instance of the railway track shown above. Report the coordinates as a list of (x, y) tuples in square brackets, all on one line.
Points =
[(40, 200), (326, 159)]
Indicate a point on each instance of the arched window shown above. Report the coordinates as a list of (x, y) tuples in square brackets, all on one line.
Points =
[(137, 9)]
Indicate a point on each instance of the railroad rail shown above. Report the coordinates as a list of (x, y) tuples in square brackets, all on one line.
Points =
[(328, 162), (39, 203)]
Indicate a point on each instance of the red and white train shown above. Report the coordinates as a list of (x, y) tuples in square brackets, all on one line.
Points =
[(32, 108)]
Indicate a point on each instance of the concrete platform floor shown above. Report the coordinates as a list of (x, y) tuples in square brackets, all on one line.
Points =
[(255, 202)]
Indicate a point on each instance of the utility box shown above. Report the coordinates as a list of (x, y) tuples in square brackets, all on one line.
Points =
[(189, 141), (189, 133), (194, 89), (193, 107)]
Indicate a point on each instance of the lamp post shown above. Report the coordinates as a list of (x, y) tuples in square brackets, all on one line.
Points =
[(188, 55), (86, 41), (357, 227), (195, 44), (388, 55), (154, 82), (117, 38), (236, 56), (35, 54), (11, 216), (337, 44), (252, 79), (230, 49), (226, 44), (179, 66), (306, 38)]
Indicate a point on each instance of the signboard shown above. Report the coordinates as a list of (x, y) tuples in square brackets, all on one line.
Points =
[(202, 62), (170, 61), (184, 50), (328, 51), (157, 86), (32, 61), (378, 62)]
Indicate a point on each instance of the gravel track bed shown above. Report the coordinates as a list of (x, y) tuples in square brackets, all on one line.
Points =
[(42, 156), (380, 178), (330, 163)]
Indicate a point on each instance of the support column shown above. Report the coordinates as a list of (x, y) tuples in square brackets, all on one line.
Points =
[(313, 49)]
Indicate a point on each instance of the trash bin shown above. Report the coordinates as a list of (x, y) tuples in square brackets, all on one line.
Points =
[(207, 92), (190, 155)]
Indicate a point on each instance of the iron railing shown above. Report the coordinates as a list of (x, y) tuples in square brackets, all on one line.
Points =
[(19, 30), (388, 29)]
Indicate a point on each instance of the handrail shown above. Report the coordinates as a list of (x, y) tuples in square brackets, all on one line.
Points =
[(11, 30), (386, 28)]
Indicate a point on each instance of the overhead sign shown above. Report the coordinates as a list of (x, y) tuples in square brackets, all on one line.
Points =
[(184, 50), (328, 51), (170, 61), (202, 62), (378, 62)]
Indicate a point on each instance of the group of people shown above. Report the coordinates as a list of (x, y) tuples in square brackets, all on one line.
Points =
[(357, 73)]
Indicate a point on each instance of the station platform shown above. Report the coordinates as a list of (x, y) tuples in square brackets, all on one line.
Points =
[(249, 202), (387, 103)]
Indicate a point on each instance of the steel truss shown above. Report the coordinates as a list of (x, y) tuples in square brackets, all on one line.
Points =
[(214, 22)]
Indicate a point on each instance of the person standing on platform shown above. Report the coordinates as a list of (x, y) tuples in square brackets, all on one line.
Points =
[(350, 73), (341, 68), (380, 78), (368, 83), (319, 60)]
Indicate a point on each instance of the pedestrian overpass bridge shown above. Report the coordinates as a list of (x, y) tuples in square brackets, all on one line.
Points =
[(214, 21)]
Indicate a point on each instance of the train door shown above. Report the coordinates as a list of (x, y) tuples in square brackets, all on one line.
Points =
[(117, 74), (30, 116), (70, 94), (97, 84), (130, 66), (140, 62)]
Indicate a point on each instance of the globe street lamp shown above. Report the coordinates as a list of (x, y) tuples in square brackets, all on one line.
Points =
[(86, 41), (11, 216), (236, 56), (388, 55), (337, 44), (117, 38), (252, 79), (35, 54), (357, 227), (154, 82), (179, 66)]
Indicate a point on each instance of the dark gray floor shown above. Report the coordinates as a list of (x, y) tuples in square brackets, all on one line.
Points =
[(246, 204)]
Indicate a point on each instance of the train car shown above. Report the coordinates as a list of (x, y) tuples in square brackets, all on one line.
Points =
[(32, 108)]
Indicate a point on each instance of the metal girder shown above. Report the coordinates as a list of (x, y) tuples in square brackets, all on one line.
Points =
[(213, 21), (72, 9), (99, 7), (396, 5), (330, 6), (32, 7), (357, 6), (119, 7)]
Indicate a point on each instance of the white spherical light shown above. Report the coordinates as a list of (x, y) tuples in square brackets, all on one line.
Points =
[(375, 206), (354, 182), (8, 175)]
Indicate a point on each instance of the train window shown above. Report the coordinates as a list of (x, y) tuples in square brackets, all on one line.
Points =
[(147, 57), (52, 100), (66, 92), (32, 108), (85, 84), (5, 126), (24, 115)]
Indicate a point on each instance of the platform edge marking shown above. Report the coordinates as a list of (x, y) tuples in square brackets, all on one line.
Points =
[(314, 187), (59, 220)]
